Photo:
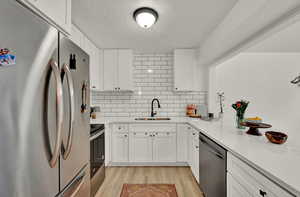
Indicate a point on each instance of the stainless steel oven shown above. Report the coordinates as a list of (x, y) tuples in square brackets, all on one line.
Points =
[(97, 158)]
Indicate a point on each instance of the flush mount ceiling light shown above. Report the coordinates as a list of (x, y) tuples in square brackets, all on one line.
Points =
[(145, 17)]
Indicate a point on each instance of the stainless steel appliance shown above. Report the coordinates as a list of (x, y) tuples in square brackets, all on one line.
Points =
[(212, 167), (44, 138), (97, 158)]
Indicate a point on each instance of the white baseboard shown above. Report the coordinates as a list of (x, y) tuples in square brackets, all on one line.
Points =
[(163, 164)]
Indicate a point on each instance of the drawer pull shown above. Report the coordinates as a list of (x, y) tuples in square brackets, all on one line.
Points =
[(262, 193)]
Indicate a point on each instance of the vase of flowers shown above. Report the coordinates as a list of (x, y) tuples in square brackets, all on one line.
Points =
[(240, 108)]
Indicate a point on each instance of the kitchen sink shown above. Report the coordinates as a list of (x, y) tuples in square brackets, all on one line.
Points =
[(152, 118)]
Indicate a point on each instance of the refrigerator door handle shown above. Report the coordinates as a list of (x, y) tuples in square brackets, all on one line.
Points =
[(84, 97), (66, 150), (59, 115)]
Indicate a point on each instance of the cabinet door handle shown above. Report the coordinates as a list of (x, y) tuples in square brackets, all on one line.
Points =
[(125, 135), (262, 193), (134, 133), (194, 133), (93, 86), (168, 133)]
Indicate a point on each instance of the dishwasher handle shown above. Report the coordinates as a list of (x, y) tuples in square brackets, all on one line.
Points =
[(211, 149)]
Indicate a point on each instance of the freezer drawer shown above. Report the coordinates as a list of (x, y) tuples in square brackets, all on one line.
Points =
[(79, 186)]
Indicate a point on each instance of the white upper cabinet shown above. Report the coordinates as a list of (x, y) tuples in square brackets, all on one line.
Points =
[(57, 12), (188, 76), (118, 70), (110, 59), (95, 69), (95, 65), (95, 58), (125, 69), (76, 36)]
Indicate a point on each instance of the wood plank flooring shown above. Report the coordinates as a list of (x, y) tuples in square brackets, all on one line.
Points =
[(182, 177)]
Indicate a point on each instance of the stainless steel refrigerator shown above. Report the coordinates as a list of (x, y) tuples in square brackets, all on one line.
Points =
[(44, 117)]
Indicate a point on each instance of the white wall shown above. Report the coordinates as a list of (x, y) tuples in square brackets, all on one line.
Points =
[(264, 80)]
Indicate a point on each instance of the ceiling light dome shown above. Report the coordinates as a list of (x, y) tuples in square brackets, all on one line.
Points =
[(145, 17)]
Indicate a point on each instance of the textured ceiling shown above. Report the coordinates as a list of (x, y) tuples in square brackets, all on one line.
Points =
[(181, 24)]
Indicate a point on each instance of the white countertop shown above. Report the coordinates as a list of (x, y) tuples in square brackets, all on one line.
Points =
[(281, 163)]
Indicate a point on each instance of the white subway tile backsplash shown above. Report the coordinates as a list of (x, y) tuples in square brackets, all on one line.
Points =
[(153, 78)]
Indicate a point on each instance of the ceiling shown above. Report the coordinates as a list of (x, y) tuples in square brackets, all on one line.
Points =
[(181, 24), (284, 41)]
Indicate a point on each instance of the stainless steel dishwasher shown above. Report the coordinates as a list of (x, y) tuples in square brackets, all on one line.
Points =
[(212, 167)]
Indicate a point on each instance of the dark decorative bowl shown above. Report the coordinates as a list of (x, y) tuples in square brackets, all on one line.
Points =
[(276, 137)]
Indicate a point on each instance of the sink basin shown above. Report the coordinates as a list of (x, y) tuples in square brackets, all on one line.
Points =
[(152, 118)]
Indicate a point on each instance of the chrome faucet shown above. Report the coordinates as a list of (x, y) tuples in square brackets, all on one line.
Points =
[(158, 105)]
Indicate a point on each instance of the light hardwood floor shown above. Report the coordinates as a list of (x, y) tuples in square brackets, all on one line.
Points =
[(182, 177)]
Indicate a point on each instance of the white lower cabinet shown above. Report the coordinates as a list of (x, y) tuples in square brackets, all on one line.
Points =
[(152, 147), (193, 152), (120, 144), (140, 147), (164, 147), (165, 144), (152, 143), (244, 179), (235, 189), (171, 143), (183, 131)]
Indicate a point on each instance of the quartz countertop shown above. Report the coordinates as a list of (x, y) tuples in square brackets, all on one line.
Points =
[(280, 163)]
